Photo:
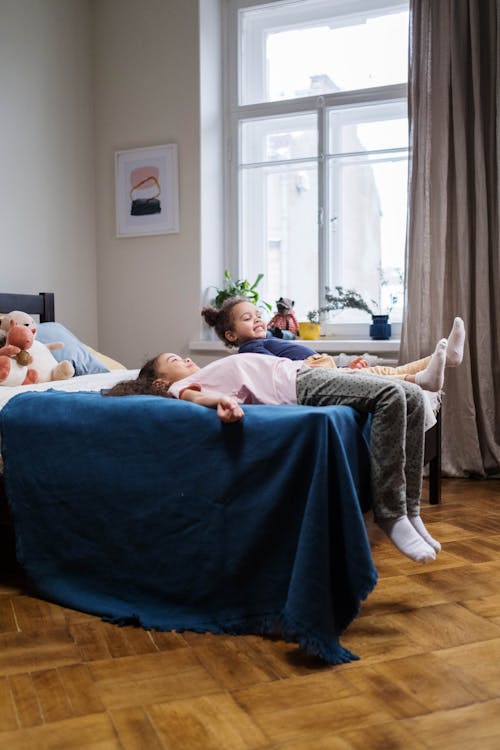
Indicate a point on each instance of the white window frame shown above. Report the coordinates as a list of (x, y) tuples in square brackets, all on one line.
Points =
[(234, 113)]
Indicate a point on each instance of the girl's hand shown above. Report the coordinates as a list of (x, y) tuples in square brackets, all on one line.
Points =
[(358, 364), (229, 410)]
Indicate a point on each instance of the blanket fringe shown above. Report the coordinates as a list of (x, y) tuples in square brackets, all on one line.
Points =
[(278, 625)]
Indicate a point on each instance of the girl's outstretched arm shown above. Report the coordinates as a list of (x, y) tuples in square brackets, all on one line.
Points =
[(228, 409)]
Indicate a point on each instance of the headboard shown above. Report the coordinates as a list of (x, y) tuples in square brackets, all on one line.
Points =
[(41, 304)]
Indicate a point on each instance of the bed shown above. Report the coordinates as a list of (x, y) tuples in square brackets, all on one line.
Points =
[(150, 511)]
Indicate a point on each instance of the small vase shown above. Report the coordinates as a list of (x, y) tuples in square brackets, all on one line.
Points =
[(380, 329), (309, 331)]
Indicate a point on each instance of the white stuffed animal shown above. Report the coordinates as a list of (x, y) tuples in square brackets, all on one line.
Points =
[(24, 360), (20, 318), (48, 366)]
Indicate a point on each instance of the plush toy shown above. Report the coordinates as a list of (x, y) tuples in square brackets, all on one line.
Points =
[(19, 318), (15, 359), (22, 319), (284, 320), (23, 360)]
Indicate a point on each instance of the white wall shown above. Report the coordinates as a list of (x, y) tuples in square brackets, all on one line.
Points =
[(47, 217), (79, 80), (147, 94)]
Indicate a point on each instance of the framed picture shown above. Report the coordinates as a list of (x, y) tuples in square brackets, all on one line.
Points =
[(147, 191)]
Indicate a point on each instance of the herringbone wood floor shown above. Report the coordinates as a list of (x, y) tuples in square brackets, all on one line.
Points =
[(429, 674)]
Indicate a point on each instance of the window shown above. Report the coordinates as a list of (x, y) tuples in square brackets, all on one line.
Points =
[(318, 147)]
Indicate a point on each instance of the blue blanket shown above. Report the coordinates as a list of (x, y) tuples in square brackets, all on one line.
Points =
[(151, 511)]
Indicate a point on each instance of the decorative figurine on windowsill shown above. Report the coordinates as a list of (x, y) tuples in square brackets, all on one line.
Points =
[(284, 324)]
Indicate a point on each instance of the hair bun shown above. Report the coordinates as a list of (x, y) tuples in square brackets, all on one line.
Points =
[(210, 315)]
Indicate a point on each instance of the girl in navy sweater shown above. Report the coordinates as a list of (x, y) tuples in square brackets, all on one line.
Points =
[(239, 324)]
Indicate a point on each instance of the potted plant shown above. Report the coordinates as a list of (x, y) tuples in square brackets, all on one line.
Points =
[(380, 328), (240, 288), (341, 299), (310, 329)]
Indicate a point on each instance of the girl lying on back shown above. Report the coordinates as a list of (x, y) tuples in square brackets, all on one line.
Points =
[(397, 428)]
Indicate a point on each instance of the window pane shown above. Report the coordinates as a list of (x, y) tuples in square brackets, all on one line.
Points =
[(278, 209), (368, 225), (368, 194), (368, 128), (295, 49), (279, 138)]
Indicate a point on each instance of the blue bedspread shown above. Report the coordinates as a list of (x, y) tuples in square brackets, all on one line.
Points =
[(150, 510)]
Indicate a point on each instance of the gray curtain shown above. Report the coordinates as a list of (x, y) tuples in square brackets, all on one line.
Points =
[(452, 264)]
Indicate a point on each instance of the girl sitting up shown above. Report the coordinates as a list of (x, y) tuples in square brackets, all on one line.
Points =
[(397, 429), (238, 323)]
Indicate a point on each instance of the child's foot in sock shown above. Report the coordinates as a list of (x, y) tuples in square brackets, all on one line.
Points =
[(419, 527), (432, 378), (408, 541), (456, 341)]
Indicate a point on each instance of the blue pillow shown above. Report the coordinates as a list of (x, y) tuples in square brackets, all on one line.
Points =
[(83, 361)]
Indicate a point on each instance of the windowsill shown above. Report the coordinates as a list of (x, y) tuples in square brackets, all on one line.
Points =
[(328, 345)]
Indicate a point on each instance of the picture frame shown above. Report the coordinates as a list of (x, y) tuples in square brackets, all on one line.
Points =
[(147, 191)]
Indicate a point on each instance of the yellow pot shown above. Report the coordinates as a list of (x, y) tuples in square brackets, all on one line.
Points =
[(309, 331)]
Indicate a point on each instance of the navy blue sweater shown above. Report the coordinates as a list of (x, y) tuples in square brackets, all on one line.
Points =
[(277, 348)]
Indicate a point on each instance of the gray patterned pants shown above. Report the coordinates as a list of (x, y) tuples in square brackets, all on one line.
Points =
[(397, 431)]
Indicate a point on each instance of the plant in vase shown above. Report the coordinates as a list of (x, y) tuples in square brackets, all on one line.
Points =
[(380, 328), (341, 299), (310, 329), (336, 300)]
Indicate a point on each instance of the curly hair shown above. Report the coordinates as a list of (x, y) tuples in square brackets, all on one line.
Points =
[(221, 318), (146, 383)]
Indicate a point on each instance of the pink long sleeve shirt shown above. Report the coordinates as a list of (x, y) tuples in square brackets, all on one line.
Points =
[(249, 378)]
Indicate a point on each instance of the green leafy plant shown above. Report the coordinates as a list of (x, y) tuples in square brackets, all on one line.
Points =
[(391, 276), (385, 310), (240, 288), (342, 298), (313, 316), (339, 299)]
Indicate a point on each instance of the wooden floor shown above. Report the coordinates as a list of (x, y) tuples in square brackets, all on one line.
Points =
[(428, 677)]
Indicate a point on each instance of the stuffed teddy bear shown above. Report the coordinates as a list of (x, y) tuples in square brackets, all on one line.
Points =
[(23, 360), (20, 318), (284, 320)]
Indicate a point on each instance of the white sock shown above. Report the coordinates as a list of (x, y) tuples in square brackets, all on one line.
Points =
[(432, 378), (403, 535), (419, 527), (456, 340)]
